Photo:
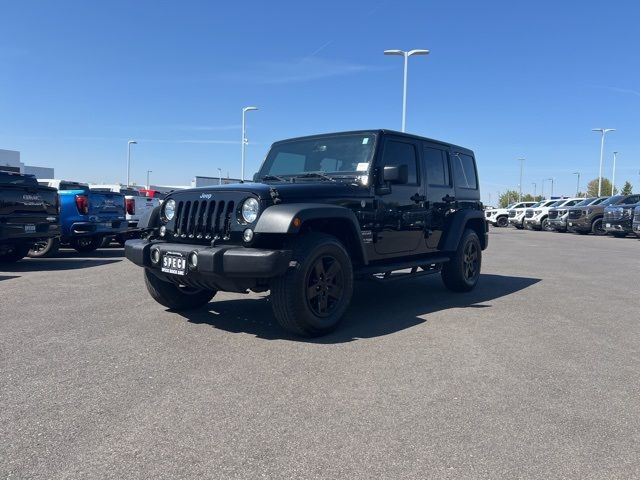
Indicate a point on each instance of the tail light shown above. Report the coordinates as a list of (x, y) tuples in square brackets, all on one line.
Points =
[(130, 206), (82, 202)]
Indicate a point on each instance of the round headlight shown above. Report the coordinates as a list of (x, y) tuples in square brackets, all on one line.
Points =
[(250, 210), (170, 209)]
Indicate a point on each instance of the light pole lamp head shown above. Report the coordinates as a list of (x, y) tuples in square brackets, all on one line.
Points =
[(603, 130), (248, 109), (417, 52), (132, 142), (394, 52)]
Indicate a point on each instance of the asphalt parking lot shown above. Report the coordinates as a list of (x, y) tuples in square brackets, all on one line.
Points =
[(535, 374)]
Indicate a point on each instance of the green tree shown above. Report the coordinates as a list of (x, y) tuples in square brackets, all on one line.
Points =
[(592, 187), (508, 197), (627, 189), (528, 198)]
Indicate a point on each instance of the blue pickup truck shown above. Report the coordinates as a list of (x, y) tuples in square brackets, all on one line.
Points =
[(86, 218)]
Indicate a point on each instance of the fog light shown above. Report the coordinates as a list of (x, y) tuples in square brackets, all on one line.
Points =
[(193, 259), (247, 235), (155, 255), (163, 231)]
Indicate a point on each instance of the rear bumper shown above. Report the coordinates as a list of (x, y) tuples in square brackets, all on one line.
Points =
[(79, 229), (224, 261), (27, 232)]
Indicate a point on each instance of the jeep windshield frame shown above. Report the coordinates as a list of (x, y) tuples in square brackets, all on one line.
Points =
[(338, 156)]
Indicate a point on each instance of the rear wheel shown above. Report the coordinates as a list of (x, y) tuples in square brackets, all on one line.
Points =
[(462, 271), (311, 299), (45, 248), (176, 297), (14, 253), (503, 221), (597, 228), (86, 244)]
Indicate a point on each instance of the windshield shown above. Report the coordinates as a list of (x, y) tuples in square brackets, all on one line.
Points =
[(346, 155), (612, 200), (598, 201), (585, 202)]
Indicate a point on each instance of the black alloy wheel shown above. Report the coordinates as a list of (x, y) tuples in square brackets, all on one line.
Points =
[(503, 222), (325, 286), (597, 228), (470, 261)]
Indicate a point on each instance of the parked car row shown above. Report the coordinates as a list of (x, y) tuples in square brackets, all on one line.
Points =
[(618, 215), (39, 216)]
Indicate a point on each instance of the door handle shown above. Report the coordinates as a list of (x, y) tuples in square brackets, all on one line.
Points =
[(418, 198), (448, 198)]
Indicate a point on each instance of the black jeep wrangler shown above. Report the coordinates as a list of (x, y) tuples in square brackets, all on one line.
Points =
[(28, 214), (322, 212)]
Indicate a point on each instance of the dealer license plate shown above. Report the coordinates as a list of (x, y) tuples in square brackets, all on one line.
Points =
[(29, 229), (174, 264)]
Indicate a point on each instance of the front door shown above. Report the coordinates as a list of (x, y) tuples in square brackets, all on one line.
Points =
[(400, 212), (440, 194)]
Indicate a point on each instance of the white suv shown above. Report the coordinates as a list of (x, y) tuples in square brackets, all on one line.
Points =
[(537, 217), (516, 214), (499, 217)]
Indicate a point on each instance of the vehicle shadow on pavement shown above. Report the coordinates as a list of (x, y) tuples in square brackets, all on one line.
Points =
[(8, 277), (376, 310), (54, 263)]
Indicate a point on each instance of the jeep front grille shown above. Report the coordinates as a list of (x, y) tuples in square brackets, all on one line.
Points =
[(205, 219)]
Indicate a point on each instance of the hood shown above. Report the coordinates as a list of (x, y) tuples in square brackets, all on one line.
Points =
[(306, 189)]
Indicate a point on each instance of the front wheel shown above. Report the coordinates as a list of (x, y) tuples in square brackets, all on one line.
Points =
[(597, 228), (546, 226), (311, 298), (86, 244), (503, 222), (45, 248), (462, 271), (176, 297)]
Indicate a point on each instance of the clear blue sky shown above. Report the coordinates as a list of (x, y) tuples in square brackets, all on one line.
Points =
[(507, 79)]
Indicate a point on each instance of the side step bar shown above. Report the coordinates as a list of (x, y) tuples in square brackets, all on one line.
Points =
[(427, 266)]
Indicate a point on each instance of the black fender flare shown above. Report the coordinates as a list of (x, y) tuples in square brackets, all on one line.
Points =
[(279, 219), (457, 223)]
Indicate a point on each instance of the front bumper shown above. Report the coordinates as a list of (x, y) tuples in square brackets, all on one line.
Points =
[(223, 261), (516, 220), (617, 226), (559, 224), (636, 228), (532, 222), (582, 224)]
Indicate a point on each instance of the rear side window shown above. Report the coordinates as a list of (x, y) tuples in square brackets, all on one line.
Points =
[(400, 153), (437, 166), (464, 171)]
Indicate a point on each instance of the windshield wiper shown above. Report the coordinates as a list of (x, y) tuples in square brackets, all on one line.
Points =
[(274, 177), (316, 175)]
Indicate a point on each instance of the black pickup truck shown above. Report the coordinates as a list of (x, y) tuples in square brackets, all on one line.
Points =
[(28, 214)]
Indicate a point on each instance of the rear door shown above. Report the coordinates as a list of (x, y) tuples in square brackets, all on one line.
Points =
[(439, 190)]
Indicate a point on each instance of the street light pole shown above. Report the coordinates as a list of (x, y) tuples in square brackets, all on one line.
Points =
[(535, 187), (551, 196), (406, 56), (129, 143), (521, 160), (578, 185), (219, 176), (542, 192), (244, 139), (613, 177), (603, 131), (148, 172)]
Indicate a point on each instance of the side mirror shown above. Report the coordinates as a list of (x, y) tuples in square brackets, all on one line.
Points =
[(395, 174)]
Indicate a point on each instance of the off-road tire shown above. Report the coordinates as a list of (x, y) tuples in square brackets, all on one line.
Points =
[(176, 297), (86, 244), (457, 274), (18, 252), (45, 248), (596, 227), (299, 296), (502, 221)]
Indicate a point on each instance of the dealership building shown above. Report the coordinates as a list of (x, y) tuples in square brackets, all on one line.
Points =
[(10, 161)]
